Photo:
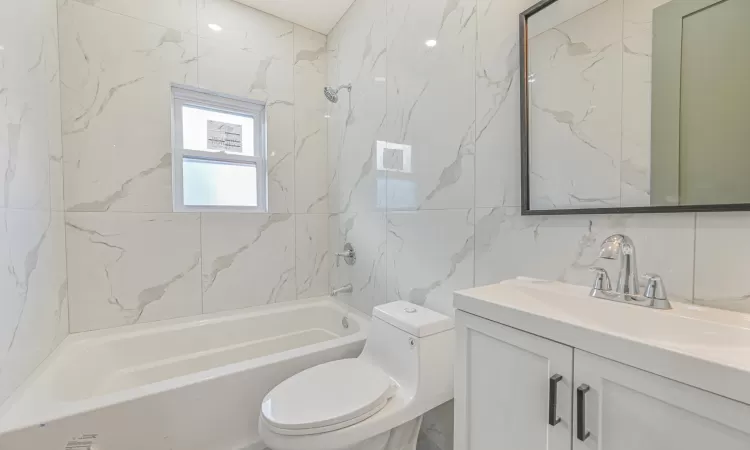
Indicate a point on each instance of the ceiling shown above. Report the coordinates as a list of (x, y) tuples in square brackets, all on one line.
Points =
[(318, 15)]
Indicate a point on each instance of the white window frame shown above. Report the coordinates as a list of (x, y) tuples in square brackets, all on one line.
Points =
[(228, 104)]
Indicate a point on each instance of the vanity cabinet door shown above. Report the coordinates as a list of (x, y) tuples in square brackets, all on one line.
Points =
[(505, 379), (618, 407)]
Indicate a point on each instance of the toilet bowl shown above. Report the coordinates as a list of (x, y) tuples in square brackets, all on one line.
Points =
[(375, 401)]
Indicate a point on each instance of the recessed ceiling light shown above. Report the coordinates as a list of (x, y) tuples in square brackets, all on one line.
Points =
[(2, 48), (431, 43), (214, 27)]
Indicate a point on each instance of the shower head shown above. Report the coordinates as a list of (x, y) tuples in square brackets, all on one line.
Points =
[(332, 94)]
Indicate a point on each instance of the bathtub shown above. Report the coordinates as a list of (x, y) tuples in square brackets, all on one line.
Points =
[(185, 384)]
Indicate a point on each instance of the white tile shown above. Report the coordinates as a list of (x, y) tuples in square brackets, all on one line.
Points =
[(263, 74), (116, 75), (366, 231), (333, 130), (563, 248), (575, 132), (311, 162), (430, 97), (310, 69), (721, 266), (510, 245), (125, 268), (430, 255), (34, 306), (28, 88), (666, 245), (313, 259), (261, 58), (177, 14), (311, 127), (498, 146), (557, 13), (56, 182), (252, 29), (33, 300), (280, 128), (358, 119), (248, 260)]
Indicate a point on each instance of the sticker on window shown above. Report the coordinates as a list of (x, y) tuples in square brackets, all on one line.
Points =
[(224, 136)]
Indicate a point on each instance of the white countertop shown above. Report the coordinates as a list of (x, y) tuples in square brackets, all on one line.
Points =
[(703, 347)]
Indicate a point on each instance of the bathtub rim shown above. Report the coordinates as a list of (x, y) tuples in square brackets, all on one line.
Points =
[(12, 419)]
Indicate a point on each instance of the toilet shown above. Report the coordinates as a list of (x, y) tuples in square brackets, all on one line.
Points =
[(375, 401)]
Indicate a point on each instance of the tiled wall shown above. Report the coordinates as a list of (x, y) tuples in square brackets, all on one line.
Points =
[(130, 258), (33, 294), (454, 221)]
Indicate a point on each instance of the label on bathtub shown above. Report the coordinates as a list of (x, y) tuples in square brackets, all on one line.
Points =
[(83, 442)]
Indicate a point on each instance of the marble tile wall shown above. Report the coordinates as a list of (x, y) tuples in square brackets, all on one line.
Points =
[(33, 281), (131, 258), (452, 219)]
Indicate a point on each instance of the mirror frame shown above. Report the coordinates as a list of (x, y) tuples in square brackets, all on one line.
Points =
[(525, 201)]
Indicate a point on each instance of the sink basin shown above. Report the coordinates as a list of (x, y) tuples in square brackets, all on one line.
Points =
[(703, 347)]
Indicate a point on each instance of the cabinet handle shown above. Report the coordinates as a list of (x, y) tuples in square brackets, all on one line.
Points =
[(553, 419), (581, 433)]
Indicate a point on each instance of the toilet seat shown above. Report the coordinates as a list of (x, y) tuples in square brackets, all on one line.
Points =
[(327, 397)]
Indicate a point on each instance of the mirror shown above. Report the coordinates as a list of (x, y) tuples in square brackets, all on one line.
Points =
[(635, 106)]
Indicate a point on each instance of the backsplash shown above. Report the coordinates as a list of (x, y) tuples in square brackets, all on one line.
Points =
[(130, 258)]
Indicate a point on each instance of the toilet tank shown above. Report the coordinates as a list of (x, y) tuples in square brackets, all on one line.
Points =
[(415, 347), (415, 320)]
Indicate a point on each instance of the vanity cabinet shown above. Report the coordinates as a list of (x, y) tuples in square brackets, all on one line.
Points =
[(519, 391), (628, 409), (504, 381)]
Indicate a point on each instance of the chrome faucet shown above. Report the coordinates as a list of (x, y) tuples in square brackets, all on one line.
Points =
[(619, 245), (628, 288), (349, 254), (348, 289)]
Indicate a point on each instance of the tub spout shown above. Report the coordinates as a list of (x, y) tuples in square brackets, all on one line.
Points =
[(348, 289)]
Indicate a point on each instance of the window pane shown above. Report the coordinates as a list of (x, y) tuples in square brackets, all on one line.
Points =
[(204, 129), (214, 183)]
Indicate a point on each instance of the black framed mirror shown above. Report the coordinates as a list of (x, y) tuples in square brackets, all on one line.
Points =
[(632, 106)]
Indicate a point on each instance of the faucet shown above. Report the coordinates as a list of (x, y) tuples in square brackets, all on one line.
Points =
[(349, 254), (348, 289), (628, 288), (619, 245)]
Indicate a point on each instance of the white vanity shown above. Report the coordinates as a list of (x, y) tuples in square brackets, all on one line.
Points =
[(541, 365)]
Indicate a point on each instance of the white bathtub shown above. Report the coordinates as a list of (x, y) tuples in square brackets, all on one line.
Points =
[(186, 384)]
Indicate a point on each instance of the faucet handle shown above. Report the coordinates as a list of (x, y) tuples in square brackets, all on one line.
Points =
[(601, 281), (654, 287), (349, 255)]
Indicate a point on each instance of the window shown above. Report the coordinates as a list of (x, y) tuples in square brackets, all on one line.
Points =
[(219, 152)]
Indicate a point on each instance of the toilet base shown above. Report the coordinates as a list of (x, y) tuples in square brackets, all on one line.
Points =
[(403, 437)]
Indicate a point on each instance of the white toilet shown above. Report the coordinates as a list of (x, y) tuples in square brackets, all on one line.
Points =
[(373, 402)]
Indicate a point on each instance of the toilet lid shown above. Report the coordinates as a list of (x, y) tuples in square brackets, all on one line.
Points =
[(326, 395)]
